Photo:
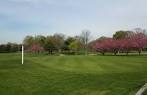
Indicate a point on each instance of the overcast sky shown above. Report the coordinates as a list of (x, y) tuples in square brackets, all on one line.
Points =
[(19, 18)]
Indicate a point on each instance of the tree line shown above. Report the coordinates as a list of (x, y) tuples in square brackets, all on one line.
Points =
[(10, 47), (121, 42), (58, 43)]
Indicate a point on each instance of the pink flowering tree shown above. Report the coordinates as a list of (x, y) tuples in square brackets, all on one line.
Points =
[(100, 47), (107, 45), (36, 48), (136, 41), (125, 45)]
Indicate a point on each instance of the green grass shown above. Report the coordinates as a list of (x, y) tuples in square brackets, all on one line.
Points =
[(72, 75)]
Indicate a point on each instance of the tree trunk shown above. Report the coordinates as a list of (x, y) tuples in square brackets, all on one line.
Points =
[(103, 53), (115, 52), (127, 52), (139, 51)]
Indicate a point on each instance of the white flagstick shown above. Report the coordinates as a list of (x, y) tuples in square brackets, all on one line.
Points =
[(22, 54)]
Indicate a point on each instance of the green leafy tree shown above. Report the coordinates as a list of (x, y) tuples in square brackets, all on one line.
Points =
[(40, 40), (67, 42), (75, 46), (49, 44), (58, 40), (102, 38), (120, 34), (28, 41)]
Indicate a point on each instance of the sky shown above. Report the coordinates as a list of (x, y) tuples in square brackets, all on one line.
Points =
[(19, 18)]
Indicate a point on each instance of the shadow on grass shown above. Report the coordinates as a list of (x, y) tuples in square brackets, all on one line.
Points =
[(122, 55)]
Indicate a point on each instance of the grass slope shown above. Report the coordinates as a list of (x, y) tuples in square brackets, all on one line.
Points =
[(72, 75)]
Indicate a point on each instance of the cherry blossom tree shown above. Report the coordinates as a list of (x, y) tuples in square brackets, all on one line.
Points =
[(107, 45), (36, 48), (135, 42), (138, 41)]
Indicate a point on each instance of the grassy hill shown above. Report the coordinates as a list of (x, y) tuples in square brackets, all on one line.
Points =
[(72, 75)]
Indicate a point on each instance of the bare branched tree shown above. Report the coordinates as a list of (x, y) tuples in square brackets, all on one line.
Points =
[(85, 38)]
